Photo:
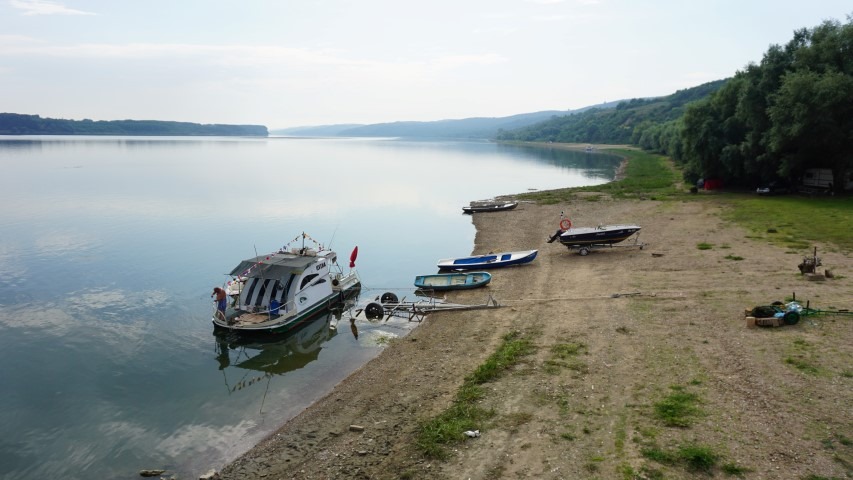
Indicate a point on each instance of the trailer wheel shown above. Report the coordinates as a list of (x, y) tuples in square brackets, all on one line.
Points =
[(388, 297), (584, 251), (373, 311), (791, 318)]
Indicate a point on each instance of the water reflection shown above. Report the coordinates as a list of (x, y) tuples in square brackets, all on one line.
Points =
[(275, 357)]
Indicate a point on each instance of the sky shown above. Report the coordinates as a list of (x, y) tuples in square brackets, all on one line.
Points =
[(289, 63)]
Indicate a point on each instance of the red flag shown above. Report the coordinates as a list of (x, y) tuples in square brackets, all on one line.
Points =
[(353, 256)]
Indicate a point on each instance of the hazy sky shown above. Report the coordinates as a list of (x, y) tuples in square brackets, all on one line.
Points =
[(311, 62)]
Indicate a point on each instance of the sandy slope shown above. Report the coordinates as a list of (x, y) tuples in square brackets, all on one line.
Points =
[(677, 321)]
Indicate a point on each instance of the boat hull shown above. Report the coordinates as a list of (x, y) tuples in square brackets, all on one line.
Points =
[(277, 325), (492, 260), (453, 281), (492, 207), (602, 235)]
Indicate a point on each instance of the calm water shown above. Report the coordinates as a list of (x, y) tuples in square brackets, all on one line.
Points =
[(109, 248)]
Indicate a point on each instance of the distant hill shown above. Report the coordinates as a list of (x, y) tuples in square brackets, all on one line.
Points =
[(318, 131), (468, 128), (612, 125), (18, 124)]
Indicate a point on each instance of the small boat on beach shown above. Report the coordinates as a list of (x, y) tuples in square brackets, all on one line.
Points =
[(478, 207), (600, 235), (453, 281), (584, 239), (490, 260), (275, 293)]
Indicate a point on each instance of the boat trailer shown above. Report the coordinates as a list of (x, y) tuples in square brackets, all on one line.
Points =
[(584, 249), (388, 305)]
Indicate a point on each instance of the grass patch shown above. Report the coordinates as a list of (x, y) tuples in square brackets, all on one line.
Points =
[(802, 365), (797, 221), (733, 257), (678, 409), (564, 355), (646, 176), (566, 350), (513, 348), (696, 458), (802, 349), (435, 434), (704, 246), (734, 469), (657, 455), (621, 433)]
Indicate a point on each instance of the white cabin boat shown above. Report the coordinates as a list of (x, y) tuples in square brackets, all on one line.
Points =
[(275, 293)]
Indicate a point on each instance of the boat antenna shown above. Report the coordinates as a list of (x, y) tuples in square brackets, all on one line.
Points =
[(333, 235)]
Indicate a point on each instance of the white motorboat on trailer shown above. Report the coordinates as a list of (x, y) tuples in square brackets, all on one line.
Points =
[(585, 238), (274, 293)]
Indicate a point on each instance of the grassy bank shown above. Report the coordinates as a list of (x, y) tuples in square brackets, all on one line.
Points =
[(646, 176), (437, 433), (793, 221)]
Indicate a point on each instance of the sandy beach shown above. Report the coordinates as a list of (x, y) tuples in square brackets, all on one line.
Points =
[(772, 403)]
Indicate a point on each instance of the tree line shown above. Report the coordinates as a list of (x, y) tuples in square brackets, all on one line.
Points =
[(18, 124), (773, 120)]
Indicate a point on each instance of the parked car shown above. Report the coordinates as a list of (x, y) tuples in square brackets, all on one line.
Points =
[(774, 188)]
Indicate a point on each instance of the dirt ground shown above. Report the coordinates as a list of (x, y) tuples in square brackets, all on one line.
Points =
[(773, 403)]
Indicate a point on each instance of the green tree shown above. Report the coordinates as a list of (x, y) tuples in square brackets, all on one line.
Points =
[(812, 119)]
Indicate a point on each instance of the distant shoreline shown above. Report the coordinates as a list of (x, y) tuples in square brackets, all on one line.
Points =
[(18, 124)]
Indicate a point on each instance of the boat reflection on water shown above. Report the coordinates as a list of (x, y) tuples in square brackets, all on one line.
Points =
[(242, 356), (279, 354)]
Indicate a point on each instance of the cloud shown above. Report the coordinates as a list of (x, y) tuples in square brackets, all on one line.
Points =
[(43, 7), (195, 439), (227, 55), (549, 18)]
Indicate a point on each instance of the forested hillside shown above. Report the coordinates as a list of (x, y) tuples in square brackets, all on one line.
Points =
[(791, 112), (464, 128), (611, 125), (774, 120), (17, 124)]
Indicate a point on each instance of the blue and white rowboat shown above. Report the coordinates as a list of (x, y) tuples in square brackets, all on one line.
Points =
[(490, 260)]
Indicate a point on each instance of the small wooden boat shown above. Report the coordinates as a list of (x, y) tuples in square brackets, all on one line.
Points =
[(490, 260), (489, 207), (453, 281)]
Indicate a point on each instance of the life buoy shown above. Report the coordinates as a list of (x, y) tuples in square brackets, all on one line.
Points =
[(565, 224)]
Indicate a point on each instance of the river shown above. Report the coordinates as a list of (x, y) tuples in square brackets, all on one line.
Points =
[(110, 247)]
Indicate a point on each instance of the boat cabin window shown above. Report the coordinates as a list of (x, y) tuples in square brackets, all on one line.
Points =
[(307, 280)]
